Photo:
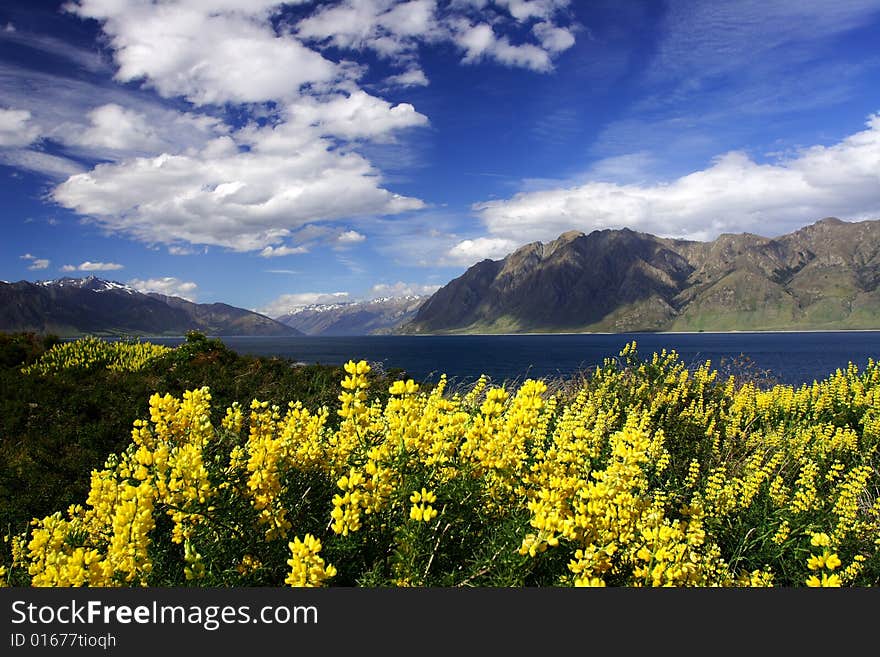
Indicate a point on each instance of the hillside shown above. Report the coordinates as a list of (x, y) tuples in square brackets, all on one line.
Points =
[(823, 276), (76, 306)]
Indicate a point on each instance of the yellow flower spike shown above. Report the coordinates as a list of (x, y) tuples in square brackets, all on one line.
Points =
[(307, 569), (832, 561)]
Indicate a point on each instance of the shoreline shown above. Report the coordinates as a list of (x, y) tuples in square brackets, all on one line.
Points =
[(454, 335), (545, 333)]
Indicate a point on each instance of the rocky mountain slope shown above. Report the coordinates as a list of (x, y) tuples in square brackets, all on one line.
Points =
[(823, 276)]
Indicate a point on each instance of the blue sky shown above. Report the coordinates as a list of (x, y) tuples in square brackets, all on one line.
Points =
[(272, 154)]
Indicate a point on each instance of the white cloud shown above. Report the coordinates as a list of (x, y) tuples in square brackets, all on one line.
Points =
[(117, 130), (476, 40), (183, 178), (278, 251), (394, 30), (221, 195), (249, 189), (36, 263), (356, 115), (350, 237), (210, 53), (177, 250), (93, 266), (52, 166), (95, 121), (289, 302), (167, 285), (401, 289), (467, 252), (16, 128), (481, 42), (412, 77), (378, 25), (553, 38), (525, 55), (90, 60), (523, 10), (734, 194)]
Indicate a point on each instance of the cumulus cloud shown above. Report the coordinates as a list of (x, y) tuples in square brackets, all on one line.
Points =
[(297, 152), (355, 115), (553, 38), (384, 26), (467, 252), (93, 266), (114, 129), (278, 251), (96, 121), (523, 10), (167, 285), (16, 128), (734, 194), (395, 29), (240, 199), (349, 237), (401, 289), (289, 302), (36, 263), (166, 45), (251, 188)]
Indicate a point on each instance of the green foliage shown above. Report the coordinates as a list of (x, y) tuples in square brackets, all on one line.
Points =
[(56, 428)]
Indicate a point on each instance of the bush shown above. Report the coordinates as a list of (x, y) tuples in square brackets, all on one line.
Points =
[(648, 474)]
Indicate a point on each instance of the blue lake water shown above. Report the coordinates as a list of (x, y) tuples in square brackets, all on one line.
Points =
[(792, 358)]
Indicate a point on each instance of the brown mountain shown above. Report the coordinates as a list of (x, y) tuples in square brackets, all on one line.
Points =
[(823, 276), (77, 306)]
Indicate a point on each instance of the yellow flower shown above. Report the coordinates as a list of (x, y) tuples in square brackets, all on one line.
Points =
[(306, 567)]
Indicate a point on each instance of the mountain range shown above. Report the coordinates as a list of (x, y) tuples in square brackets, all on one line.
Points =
[(376, 316), (76, 306), (823, 276)]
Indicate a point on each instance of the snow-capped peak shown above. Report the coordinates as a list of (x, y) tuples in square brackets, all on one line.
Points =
[(91, 283)]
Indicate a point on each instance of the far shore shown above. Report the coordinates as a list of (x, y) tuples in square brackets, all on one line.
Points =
[(435, 335), (734, 331)]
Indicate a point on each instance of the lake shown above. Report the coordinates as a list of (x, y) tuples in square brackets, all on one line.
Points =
[(794, 358)]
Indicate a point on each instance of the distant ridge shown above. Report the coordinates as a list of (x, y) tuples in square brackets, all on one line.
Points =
[(377, 316), (823, 276), (77, 306)]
